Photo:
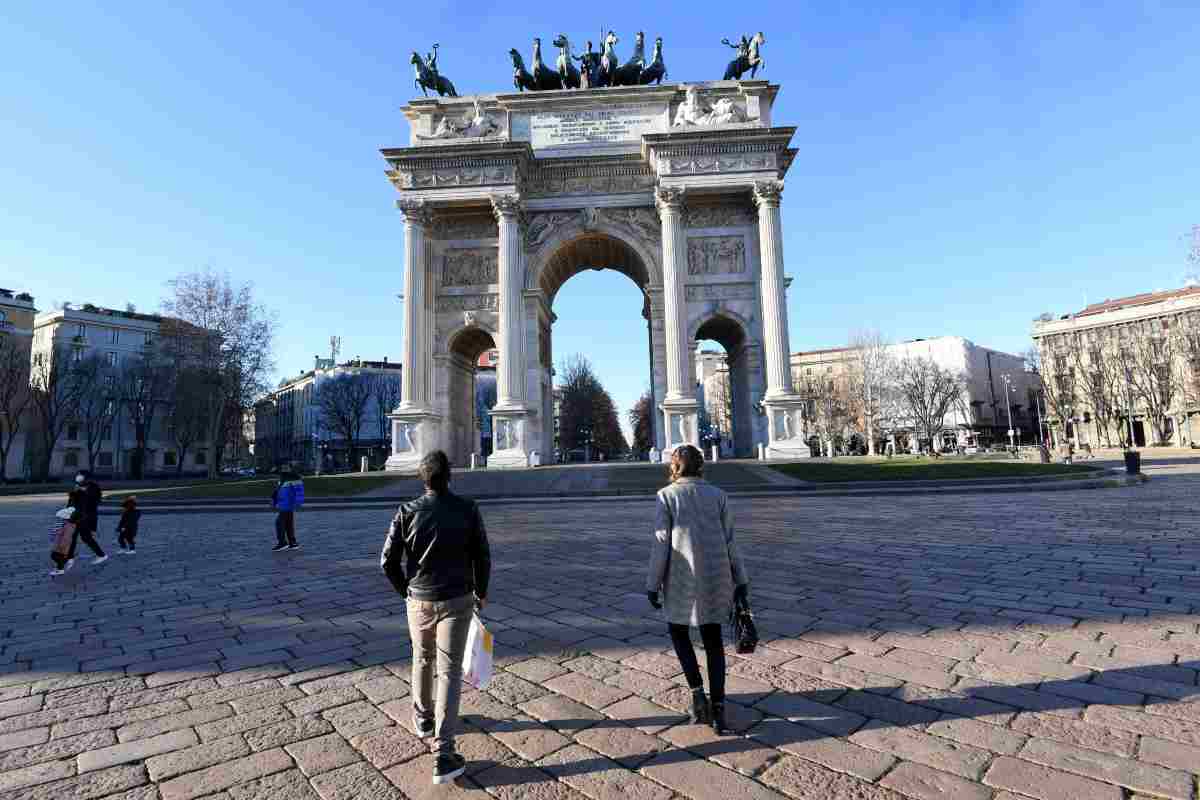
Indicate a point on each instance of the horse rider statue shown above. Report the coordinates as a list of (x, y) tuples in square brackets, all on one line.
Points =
[(748, 58)]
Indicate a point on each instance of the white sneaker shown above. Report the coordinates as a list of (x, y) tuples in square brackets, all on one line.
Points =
[(131, 552), (70, 564), (99, 559), (55, 572)]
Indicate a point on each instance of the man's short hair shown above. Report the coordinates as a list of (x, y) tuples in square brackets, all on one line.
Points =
[(434, 471)]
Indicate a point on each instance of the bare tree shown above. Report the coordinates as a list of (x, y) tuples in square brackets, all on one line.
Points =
[(387, 397), (641, 420), (872, 369), (223, 332), (186, 420), (929, 392), (56, 393), (98, 403), (1186, 333), (828, 409), (15, 397), (1059, 378), (144, 387), (343, 400), (1152, 375)]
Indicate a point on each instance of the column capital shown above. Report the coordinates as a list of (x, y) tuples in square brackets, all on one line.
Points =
[(416, 212), (506, 205), (669, 199), (768, 193)]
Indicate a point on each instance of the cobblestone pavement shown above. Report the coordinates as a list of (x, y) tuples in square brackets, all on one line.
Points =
[(975, 646)]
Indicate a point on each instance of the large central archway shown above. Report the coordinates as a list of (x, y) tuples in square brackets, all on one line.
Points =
[(585, 242)]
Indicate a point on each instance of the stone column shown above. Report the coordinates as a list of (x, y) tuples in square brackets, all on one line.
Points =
[(510, 379), (417, 218), (767, 194), (674, 243), (510, 435), (679, 406), (415, 424)]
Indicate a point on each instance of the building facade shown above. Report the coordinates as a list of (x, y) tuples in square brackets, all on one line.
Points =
[(292, 427), (713, 391), (1124, 370), (999, 393), (17, 314), (119, 340)]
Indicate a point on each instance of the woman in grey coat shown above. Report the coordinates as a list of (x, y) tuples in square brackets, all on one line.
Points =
[(695, 562)]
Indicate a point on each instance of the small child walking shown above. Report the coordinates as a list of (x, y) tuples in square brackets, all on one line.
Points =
[(127, 527)]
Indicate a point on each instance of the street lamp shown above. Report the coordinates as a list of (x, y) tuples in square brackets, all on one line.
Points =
[(1008, 390)]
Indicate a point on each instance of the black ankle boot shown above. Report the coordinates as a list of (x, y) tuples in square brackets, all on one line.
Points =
[(698, 715), (717, 719)]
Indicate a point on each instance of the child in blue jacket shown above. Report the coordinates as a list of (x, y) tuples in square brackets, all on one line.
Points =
[(286, 499)]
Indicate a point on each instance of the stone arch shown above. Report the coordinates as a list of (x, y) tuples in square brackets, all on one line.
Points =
[(458, 383), (549, 267), (734, 333)]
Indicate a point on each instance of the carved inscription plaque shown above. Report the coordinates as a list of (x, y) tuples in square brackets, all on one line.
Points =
[(592, 126), (716, 255), (468, 302), (470, 266), (720, 291)]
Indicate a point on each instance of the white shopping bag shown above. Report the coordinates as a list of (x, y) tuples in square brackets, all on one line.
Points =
[(477, 663)]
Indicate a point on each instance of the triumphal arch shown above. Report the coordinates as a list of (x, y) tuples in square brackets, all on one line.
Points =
[(506, 196)]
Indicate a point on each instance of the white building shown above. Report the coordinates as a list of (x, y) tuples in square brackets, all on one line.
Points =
[(997, 384), (16, 328), (119, 339)]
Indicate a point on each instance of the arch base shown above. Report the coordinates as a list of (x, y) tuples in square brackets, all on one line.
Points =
[(414, 435)]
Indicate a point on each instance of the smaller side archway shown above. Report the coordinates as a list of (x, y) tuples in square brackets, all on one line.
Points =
[(728, 388), (465, 385)]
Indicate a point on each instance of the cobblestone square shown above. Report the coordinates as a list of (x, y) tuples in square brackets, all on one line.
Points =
[(1005, 646)]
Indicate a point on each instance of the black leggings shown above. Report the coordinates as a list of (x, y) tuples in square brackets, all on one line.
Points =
[(714, 651)]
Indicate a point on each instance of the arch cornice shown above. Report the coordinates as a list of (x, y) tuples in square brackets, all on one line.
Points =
[(591, 223), (721, 311)]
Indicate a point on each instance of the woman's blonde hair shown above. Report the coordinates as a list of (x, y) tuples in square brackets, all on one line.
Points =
[(686, 462)]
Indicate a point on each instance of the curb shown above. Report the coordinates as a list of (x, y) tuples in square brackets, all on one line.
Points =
[(877, 489)]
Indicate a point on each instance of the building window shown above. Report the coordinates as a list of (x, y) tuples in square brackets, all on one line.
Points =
[(71, 458), (105, 459), (110, 358), (168, 458), (110, 382), (201, 458), (80, 330), (77, 355), (149, 340), (106, 433), (72, 433), (116, 336)]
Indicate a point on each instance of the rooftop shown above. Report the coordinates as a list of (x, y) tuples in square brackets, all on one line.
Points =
[(1145, 299)]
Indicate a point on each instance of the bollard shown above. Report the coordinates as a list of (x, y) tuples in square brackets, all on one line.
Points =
[(363, 465), (474, 460), (716, 453)]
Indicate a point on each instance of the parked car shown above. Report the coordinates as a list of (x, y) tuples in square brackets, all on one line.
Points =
[(247, 472)]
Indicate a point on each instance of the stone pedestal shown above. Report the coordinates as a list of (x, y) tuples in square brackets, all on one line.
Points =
[(785, 428), (681, 425), (510, 442), (414, 434)]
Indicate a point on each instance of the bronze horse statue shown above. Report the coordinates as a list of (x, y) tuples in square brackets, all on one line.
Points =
[(543, 76), (522, 80), (428, 79), (567, 72), (748, 58), (629, 73), (657, 69), (609, 63)]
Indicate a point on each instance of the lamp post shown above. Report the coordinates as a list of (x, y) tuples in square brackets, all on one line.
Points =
[(1008, 389)]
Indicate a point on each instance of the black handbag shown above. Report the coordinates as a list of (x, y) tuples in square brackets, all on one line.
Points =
[(745, 634)]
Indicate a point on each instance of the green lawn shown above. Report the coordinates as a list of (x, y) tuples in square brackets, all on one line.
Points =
[(914, 469), (324, 486)]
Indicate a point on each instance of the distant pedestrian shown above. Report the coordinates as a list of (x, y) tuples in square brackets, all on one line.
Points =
[(437, 557), (286, 499), (127, 526), (694, 561), (90, 495)]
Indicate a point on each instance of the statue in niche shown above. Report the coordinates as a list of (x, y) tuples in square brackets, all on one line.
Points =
[(475, 124)]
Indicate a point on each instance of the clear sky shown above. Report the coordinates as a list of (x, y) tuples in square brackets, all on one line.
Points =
[(963, 166)]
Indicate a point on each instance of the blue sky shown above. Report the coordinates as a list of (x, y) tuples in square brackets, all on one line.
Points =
[(962, 166)]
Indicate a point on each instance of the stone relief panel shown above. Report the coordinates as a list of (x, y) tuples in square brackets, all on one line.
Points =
[(716, 255), (579, 178), (464, 176), (725, 216), (720, 291), (465, 227), (470, 266), (640, 222), (702, 165), (468, 303), (541, 227)]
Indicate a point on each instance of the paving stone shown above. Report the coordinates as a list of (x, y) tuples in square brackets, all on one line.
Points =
[(947, 756), (314, 703), (647, 717), (481, 750), (18, 739), (322, 753), (828, 751), (242, 722), (560, 713), (1084, 734), (54, 716), (355, 718), (380, 690), (1046, 784), (528, 738), (1109, 768), (386, 747), (591, 666), (287, 731), (589, 691), (225, 775), (919, 781), (275, 697), (537, 670), (357, 782), (749, 756), (53, 749), (591, 774), (163, 767), (413, 779), (90, 786), (630, 747), (831, 720), (138, 750), (804, 780), (517, 780), (511, 690), (1169, 754), (977, 734), (35, 774), (289, 785), (172, 722)]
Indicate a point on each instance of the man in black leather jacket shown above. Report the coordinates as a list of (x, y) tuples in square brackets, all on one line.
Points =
[(436, 555)]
